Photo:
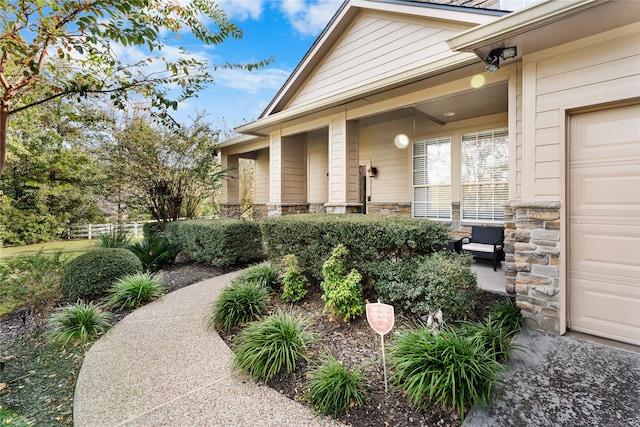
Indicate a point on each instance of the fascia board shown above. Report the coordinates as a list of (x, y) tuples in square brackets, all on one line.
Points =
[(518, 23)]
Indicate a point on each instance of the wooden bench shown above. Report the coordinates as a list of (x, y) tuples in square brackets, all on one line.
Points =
[(485, 243)]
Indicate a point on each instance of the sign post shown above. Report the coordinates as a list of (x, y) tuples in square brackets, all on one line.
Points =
[(381, 318)]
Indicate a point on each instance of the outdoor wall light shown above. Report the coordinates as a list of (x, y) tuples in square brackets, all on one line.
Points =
[(401, 141), (493, 59)]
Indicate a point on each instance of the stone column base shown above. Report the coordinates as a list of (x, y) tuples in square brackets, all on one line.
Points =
[(343, 208), (230, 210), (281, 209)]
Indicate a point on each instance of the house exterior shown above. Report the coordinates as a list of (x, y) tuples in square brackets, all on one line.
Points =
[(468, 114)]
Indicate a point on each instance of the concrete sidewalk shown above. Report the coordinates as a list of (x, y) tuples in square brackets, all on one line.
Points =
[(160, 366)]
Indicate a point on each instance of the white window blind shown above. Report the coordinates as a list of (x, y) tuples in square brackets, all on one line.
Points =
[(485, 175), (432, 178)]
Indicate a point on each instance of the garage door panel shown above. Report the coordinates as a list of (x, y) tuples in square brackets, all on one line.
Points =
[(604, 223), (615, 249), (606, 190), (605, 306)]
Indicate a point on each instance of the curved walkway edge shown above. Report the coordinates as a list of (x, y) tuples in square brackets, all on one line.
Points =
[(160, 366)]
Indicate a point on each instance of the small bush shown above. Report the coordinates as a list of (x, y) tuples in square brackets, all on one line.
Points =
[(240, 302), (424, 284), (334, 389), (219, 242), (342, 295), (448, 368), (90, 275), (369, 239), (115, 238), (134, 290), (79, 321), (155, 252), (294, 281), (267, 275), (507, 316), (490, 336), (10, 418), (271, 345), (151, 228), (30, 281)]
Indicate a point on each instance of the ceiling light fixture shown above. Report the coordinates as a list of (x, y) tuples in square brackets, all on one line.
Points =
[(493, 59), (449, 114)]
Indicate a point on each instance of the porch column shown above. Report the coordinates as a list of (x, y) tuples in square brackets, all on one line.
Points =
[(230, 200), (343, 166), (288, 174)]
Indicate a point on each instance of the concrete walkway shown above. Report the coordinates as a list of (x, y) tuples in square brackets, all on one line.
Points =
[(160, 366)]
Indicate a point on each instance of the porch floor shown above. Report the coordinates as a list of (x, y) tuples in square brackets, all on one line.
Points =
[(489, 280)]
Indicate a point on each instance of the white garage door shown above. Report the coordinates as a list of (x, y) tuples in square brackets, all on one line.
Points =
[(604, 223)]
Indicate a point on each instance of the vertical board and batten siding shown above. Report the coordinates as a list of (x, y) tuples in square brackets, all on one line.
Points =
[(596, 70), (294, 169), (376, 46), (261, 177), (318, 167)]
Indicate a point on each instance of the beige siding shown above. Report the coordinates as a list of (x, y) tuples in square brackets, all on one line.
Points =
[(294, 169), (376, 46), (596, 70), (230, 187), (261, 177), (337, 158), (275, 163), (318, 167)]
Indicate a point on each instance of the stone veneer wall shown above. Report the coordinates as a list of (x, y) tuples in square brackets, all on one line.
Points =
[(281, 209), (343, 208), (532, 259), (317, 208), (230, 210), (394, 209), (260, 211)]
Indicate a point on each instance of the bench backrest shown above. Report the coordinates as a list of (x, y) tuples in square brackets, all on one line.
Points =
[(482, 234)]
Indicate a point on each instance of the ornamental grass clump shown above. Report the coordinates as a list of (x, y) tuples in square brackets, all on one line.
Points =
[(273, 345), (267, 275), (240, 302), (507, 316), (448, 368), (79, 321), (134, 290), (333, 388)]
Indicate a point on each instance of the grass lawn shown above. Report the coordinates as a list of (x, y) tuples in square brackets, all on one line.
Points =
[(68, 247)]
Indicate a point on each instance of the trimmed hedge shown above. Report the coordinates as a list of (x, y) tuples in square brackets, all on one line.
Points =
[(368, 238), (218, 242), (91, 274)]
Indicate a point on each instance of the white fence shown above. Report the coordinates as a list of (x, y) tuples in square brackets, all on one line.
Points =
[(93, 231)]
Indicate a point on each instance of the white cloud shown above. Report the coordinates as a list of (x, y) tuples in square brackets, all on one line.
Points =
[(252, 82), (309, 17), (242, 9)]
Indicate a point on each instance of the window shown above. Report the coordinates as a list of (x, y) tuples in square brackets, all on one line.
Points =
[(432, 178), (485, 175)]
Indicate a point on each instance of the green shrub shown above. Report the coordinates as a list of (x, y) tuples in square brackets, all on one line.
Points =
[(369, 239), (134, 290), (155, 252), (90, 275), (447, 368), (115, 238), (507, 316), (79, 321), (342, 295), (266, 274), (334, 389), (271, 345), (422, 285), (219, 242), (240, 302), (30, 281), (151, 228), (489, 335), (294, 281)]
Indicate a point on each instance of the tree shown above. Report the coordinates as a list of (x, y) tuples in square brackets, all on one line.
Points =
[(174, 170), (85, 36)]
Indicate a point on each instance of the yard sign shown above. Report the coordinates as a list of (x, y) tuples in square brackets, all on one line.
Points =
[(381, 318)]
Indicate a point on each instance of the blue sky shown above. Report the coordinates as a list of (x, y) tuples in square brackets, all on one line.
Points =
[(284, 29)]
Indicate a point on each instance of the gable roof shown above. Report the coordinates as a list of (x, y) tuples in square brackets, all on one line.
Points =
[(466, 13)]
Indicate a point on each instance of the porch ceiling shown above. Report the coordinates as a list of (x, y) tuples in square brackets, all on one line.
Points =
[(466, 105)]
